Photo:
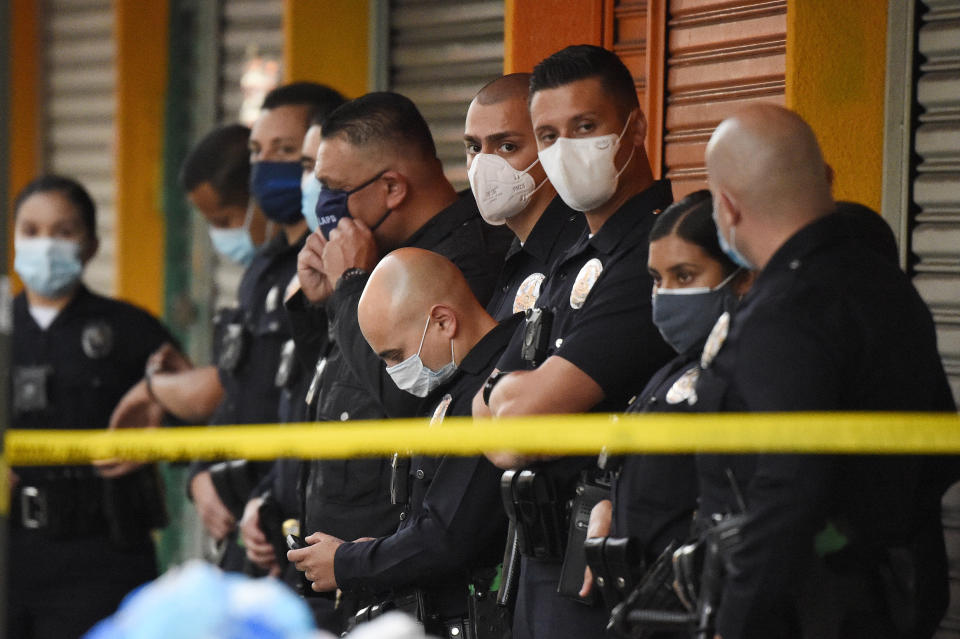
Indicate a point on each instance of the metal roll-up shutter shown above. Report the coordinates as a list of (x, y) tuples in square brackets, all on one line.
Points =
[(79, 81), (441, 53), (721, 56), (249, 28), (935, 239)]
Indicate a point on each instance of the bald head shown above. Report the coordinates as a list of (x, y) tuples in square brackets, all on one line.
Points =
[(408, 286), (767, 160), (508, 87)]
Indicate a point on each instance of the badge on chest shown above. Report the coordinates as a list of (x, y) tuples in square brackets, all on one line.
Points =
[(528, 293), (586, 278), (97, 339), (440, 412), (685, 388), (30, 388)]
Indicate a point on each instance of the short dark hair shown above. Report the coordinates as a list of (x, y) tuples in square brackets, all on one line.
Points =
[(691, 219), (382, 118), (71, 189), (582, 61), (320, 99), (503, 88), (222, 159)]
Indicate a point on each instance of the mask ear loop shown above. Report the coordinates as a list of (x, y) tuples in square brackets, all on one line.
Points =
[(633, 148), (728, 279), (424, 336)]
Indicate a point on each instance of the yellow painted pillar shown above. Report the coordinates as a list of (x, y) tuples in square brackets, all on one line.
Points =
[(141, 34), (24, 120), (328, 43), (836, 65)]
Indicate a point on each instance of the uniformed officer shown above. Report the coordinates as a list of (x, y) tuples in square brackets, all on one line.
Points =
[(418, 313), (601, 343), (654, 496), (79, 536), (253, 336), (830, 324), (383, 187), (512, 188)]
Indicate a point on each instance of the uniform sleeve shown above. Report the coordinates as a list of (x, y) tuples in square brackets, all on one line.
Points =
[(461, 516), (612, 338), (783, 363), (359, 357)]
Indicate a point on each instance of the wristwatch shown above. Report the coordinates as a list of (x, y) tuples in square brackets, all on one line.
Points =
[(490, 383), (348, 275)]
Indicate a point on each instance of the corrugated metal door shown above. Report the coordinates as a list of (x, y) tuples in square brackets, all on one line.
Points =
[(721, 55), (249, 27), (79, 82), (935, 239), (441, 52), (935, 222)]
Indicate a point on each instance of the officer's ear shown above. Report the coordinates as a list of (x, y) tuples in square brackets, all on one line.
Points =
[(728, 212), (397, 187), (639, 128), (445, 319)]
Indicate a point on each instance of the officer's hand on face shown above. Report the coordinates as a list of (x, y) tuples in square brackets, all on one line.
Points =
[(137, 409), (351, 245), (600, 519), (168, 359), (316, 560), (259, 550), (313, 281), (216, 518)]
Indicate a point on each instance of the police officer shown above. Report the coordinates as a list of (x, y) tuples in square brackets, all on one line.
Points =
[(654, 496), (418, 313), (383, 187), (601, 343), (251, 337), (79, 535), (512, 188), (830, 324)]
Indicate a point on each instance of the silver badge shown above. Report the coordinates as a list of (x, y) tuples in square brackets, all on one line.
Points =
[(528, 293), (97, 339), (685, 388), (273, 299), (315, 382), (718, 335), (441, 410), (586, 278)]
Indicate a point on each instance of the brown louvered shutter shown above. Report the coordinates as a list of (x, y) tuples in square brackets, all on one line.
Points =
[(721, 56)]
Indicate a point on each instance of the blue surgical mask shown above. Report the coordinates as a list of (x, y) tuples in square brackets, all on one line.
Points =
[(48, 266), (310, 189), (332, 206), (235, 244), (276, 188), (730, 248), (684, 316), (412, 376)]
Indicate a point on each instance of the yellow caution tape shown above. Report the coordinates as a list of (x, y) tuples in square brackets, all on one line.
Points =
[(546, 435)]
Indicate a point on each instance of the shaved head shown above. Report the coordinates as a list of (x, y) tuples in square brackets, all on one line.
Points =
[(408, 286), (508, 87), (766, 158)]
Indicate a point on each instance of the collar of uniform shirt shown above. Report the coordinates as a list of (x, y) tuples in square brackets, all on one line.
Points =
[(658, 195)]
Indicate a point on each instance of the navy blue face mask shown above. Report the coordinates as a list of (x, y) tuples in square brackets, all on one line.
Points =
[(332, 206), (276, 188)]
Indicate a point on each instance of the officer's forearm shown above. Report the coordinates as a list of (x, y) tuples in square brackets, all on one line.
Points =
[(190, 395), (557, 386)]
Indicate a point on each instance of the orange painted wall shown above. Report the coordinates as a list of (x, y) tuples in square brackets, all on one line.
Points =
[(534, 30), (24, 118), (141, 34)]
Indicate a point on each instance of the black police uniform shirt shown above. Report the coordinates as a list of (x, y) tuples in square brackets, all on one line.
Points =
[(830, 324), (527, 264), (599, 294), (654, 496), (453, 521), (351, 498), (73, 374)]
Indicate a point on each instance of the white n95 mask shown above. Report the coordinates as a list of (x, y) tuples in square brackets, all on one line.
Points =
[(412, 376), (501, 191), (583, 170)]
